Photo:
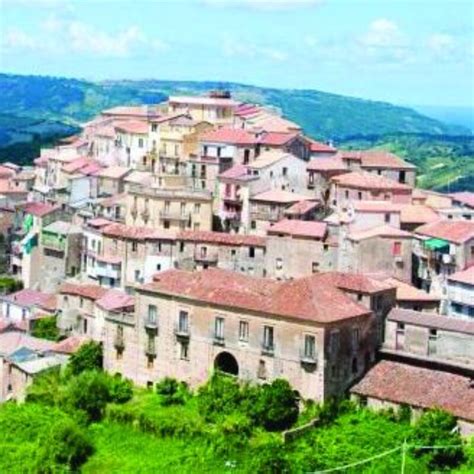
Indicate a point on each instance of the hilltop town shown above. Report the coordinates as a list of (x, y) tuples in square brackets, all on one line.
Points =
[(204, 233)]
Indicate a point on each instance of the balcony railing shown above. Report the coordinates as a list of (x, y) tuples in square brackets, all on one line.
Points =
[(268, 348), (53, 242), (218, 339), (308, 358), (182, 330), (151, 324), (176, 216)]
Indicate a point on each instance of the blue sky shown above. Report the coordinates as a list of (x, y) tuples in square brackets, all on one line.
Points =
[(402, 51)]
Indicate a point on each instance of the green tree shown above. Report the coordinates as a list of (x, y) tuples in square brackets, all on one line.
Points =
[(437, 428), (88, 357), (46, 328), (120, 390), (171, 391)]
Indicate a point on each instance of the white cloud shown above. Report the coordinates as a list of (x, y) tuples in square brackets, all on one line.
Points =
[(441, 44), (15, 38), (233, 47)]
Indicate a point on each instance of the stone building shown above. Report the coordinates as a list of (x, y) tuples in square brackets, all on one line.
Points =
[(318, 332), (461, 294)]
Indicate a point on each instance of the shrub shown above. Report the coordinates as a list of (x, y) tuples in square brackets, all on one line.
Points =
[(46, 328), (435, 428), (87, 357), (120, 390), (172, 392), (276, 408)]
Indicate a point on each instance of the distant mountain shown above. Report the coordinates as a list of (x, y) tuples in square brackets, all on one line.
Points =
[(463, 116), (38, 110)]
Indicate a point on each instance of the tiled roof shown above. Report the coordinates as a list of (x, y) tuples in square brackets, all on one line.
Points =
[(418, 214), (6, 172), (301, 208), (112, 259), (221, 238), (28, 297), (277, 138), (274, 123), (114, 172), (268, 158), (98, 222), (466, 198), (315, 298), (6, 187), (452, 231), (319, 147), (70, 344), (137, 233), (107, 131), (364, 180), (90, 169), (277, 195), (137, 127), (431, 320), (86, 290), (297, 228), (139, 177), (379, 231), (77, 164), (235, 172), (110, 201), (10, 341), (115, 300), (407, 292), (326, 164), (235, 136), (419, 387), (39, 209), (376, 159), (465, 276)]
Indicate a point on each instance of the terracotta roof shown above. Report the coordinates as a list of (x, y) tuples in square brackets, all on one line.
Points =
[(11, 341), (376, 159), (6, 187), (301, 208), (98, 222), (245, 109), (90, 169), (364, 180), (107, 131), (114, 172), (6, 172), (235, 172), (86, 290), (319, 147), (77, 164), (326, 164), (377, 206), (137, 127), (312, 298), (419, 387), (297, 228), (137, 233), (418, 214), (202, 100), (221, 238), (112, 200), (431, 320), (379, 231), (115, 300), (274, 123), (70, 344), (465, 198), (268, 158), (112, 259), (28, 297), (465, 276), (235, 136), (277, 138), (452, 231), (39, 209), (277, 195), (407, 292)]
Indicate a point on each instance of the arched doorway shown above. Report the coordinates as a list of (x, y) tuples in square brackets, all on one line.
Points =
[(227, 363)]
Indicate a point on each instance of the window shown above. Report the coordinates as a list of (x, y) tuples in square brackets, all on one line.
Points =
[(243, 331), (251, 252), (402, 178), (246, 156), (181, 246), (119, 354), (166, 224), (137, 275), (315, 267), (134, 246), (81, 302), (140, 143), (183, 321), (355, 338), (355, 366), (400, 328), (397, 249), (219, 328), (284, 171), (279, 263), (205, 150), (262, 370), (158, 267), (150, 362), (359, 196), (184, 350), (84, 326), (346, 193), (309, 347), (197, 208), (268, 342), (152, 316), (154, 127), (233, 252), (253, 225), (387, 218), (433, 334)]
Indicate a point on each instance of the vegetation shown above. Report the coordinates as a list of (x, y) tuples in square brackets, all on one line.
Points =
[(445, 163), (9, 285), (46, 328), (93, 422), (88, 357)]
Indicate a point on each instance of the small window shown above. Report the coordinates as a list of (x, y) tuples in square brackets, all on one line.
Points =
[(150, 362), (397, 249), (181, 246), (154, 127), (387, 218), (346, 193), (433, 334), (359, 196), (284, 171), (219, 328), (251, 252), (243, 331), (253, 225), (400, 328), (152, 313), (134, 246), (309, 346), (184, 350), (315, 267), (268, 338), (158, 267), (279, 263), (140, 143)]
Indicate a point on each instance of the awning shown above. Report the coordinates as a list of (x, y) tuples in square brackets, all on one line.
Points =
[(435, 244)]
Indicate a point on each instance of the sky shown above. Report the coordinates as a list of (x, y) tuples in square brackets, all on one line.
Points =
[(402, 51)]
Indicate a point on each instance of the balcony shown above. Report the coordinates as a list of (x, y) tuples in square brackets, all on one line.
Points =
[(119, 343), (268, 349), (308, 359), (151, 324), (121, 317), (266, 216), (150, 350), (206, 257), (236, 199), (175, 216), (218, 339), (53, 241), (182, 331), (108, 271)]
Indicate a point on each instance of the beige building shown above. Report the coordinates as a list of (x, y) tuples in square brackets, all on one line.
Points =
[(169, 208), (317, 332)]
